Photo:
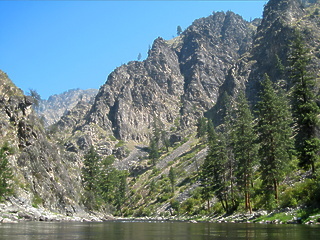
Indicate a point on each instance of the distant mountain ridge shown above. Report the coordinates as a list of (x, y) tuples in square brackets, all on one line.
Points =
[(181, 80), (52, 110)]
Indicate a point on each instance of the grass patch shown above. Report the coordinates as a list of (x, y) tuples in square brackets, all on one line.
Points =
[(282, 217)]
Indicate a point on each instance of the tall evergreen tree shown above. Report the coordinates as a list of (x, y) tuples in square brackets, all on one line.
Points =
[(90, 178), (108, 180), (121, 191), (179, 30), (275, 136), (201, 127), (305, 108), (154, 153), (214, 174), (245, 148), (227, 130), (172, 177)]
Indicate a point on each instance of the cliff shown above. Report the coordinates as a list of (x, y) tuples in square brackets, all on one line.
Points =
[(45, 175), (181, 80)]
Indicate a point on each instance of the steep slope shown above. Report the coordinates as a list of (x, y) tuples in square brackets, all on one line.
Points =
[(271, 47), (176, 83), (44, 174)]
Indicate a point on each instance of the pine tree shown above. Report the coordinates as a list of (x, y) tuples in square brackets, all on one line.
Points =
[(305, 108), (90, 177), (108, 180), (245, 148), (214, 174), (201, 127), (275, 136), (154, 153), (172, 177), (227, 129), (179, 30), (121, 191)]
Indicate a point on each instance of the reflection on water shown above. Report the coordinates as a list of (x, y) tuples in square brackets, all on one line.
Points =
[(155, 231)]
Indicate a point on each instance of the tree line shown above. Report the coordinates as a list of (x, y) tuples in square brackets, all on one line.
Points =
[(257, 147), (105, 187)]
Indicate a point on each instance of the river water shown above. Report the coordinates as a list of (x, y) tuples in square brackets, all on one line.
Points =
[(155, 231)]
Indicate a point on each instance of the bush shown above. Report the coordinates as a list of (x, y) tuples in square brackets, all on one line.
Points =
[(36, 201), (175, 205)]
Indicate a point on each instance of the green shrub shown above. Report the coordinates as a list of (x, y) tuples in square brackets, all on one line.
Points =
[(119, 144), (36, 201)]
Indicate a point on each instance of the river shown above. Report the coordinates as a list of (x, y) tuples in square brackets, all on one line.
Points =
[(155, 231)]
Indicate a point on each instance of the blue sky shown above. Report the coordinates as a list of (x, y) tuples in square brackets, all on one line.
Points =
[(53, 46)]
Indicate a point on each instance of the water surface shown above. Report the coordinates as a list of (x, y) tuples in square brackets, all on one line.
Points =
[(155, 231)]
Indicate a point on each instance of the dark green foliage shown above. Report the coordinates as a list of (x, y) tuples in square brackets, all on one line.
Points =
[(179, 30), (154, 151), (275, 136), (214, 174), (90, 173), (36, 98), (104, 185), (201, 127), (90, 170), (121, 191), (305, 108), (172, 177), (6, 175), (109, 179), (245, 148)]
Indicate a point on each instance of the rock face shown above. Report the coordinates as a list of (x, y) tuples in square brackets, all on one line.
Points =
[(176, 83), (181, 79), (52, 110), (271, 45), (44, 174)]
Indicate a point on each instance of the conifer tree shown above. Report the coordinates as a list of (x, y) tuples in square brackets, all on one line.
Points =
[(179, 30), (275, 136), (201, 127), (245, 148), (90, 177), (108, 179), (154, 153), (214, 174), (305, 108), (172, 177), (121, 191), (227, 130)]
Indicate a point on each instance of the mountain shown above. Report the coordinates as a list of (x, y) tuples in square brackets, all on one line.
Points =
[(44, 174), (159, 99), (52, 110)]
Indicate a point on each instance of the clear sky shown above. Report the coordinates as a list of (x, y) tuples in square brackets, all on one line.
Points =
[(54, 46)]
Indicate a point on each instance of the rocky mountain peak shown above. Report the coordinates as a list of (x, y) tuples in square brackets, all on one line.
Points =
[(178, 80), (57, 105)]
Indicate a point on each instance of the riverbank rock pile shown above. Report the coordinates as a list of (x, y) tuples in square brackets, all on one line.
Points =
[(15, 211)]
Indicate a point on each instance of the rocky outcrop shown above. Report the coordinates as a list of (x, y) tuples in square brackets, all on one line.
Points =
[(44, 174), (176, 83), (56, 106), (271, 47), (137, 93)]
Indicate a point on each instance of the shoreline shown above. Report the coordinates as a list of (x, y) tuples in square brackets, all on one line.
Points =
[(15, 212), (238, 218)]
